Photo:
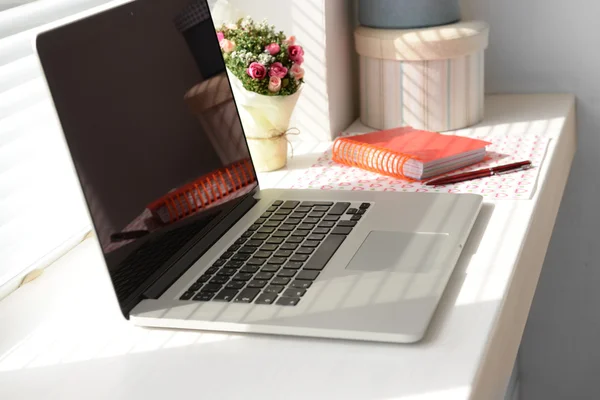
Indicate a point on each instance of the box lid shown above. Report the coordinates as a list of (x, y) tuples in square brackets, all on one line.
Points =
[(434, 43)]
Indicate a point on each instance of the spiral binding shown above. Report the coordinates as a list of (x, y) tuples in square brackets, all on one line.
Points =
[(370, 158)]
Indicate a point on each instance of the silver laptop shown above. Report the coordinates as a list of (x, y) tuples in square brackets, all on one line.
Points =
[(189, 238)]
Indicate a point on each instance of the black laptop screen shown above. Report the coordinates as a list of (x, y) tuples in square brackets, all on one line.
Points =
[(150, 120)]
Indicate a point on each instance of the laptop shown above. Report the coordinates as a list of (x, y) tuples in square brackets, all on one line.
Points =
[(189, 238)]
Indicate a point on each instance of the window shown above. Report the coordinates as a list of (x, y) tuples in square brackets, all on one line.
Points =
[(42, 212)]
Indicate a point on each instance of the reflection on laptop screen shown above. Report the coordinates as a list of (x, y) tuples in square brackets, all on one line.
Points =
[(150, 120)]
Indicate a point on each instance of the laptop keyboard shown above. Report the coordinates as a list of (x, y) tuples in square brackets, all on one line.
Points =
[(277, 259)]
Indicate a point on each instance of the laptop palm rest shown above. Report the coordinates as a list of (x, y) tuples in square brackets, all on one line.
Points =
[(407, 252)]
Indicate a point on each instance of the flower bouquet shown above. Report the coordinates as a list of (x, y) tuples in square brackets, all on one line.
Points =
[(266, 74)]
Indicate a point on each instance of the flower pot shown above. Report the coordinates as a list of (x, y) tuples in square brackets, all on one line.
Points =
[(406, 14), (266, 121)]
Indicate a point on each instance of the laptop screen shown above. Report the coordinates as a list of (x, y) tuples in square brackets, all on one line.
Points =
[(150, 120)]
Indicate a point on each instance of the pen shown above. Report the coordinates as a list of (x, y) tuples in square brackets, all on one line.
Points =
[(482, 173)]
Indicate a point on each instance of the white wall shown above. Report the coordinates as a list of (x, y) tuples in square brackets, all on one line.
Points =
[(553, 46), (328, 103)]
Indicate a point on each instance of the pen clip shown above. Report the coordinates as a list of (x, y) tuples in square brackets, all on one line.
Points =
[(510, 171)]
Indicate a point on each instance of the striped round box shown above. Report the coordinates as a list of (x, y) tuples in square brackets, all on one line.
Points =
[(431, 78)]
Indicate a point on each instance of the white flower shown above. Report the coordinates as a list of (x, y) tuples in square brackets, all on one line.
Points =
[(266, 58)]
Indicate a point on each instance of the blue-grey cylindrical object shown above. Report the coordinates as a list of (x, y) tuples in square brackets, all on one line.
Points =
[(407, 14)]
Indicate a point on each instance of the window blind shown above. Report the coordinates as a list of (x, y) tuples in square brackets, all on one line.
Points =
[(42, 211)]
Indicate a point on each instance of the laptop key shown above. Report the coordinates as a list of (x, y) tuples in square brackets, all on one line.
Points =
[(321, 230), (227, 272), (316, 214), (283, 212), (281, 234), (306, 226), (234, 247), (219, 263), (330, 217), (219, 280), (277, 260), (307, 275), (311, 243), (195, 286), (266, 215), (263, 254), (263, 276), (275, 240), (242, 276), (361, 211), (323, 254), (257, 284), (253, 227), (312, 220), (347, 223), (270, 268), (327, 224), (249, 269), (247, 295), (247, 234), (271, 209), (280, 281), (294, 292), (254, 243), (277, 203), (212, 270), (255, 261), (266, 298), (247, 250), (186, 296), (287, 227), (204, 278), (226, 295), (235, 285), (286, 273), (339, 208), (283, 253), (321, 208), (234, 264), (204, 296), (295, 239), (269, 247), (211, 287), (298, 284), (293, 221), (299, 257), (341, 230), (240, 241), (241, 257), (278, 218), (266, 229), (316, 236), (290, 204), (301, 233), (273, 289), (272, 223), (289, 246), (355, 218), (287, 301), (260, 221), (293, 265), (303, 209), (305, 250), (352, 211), (364, 206), (260, 236)]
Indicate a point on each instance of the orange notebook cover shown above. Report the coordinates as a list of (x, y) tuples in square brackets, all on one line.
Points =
[(408, 153)]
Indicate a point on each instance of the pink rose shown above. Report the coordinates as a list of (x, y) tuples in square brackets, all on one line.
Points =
[(277, 69), (272, 48), (296, 54), (220, 36), (290, 41), (274, 84), (227, 45), (297, 71), (256, 71)]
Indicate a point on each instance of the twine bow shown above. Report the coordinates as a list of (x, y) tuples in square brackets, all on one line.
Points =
[(278, 135)]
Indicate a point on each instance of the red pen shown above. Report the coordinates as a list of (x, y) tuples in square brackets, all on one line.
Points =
[(481, 173)]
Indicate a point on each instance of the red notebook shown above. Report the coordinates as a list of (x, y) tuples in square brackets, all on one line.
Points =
[(408, 153)]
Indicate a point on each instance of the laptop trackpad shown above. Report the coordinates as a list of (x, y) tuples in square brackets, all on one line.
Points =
[(409, 252)]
